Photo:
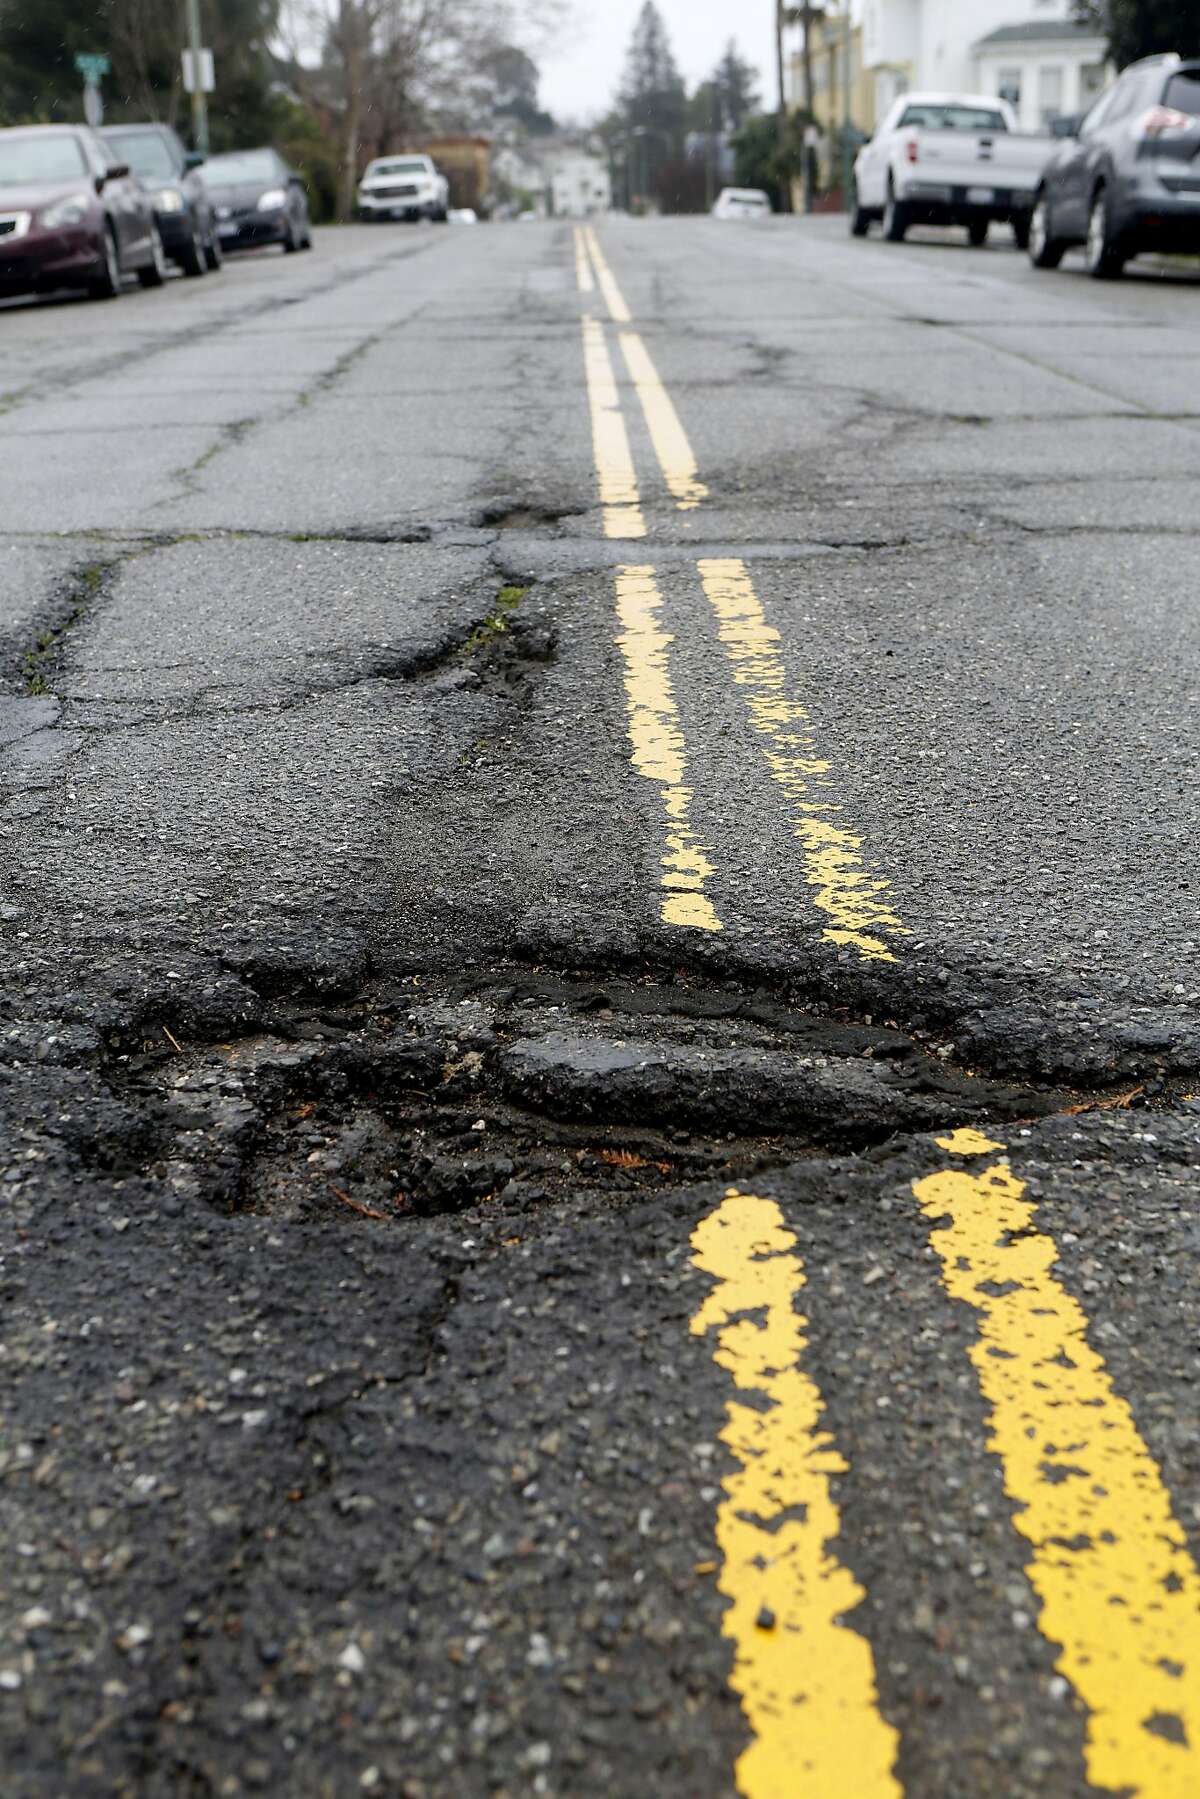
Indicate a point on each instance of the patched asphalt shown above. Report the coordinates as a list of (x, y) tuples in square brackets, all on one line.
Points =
[(356, 1104)]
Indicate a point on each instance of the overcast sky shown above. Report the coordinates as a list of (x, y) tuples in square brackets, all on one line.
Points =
[(580, 82)]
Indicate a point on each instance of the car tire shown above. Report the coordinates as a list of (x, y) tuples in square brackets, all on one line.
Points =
[(290, 244), (214, 256), (155, 271), (1103, 255), (860, 218), (106, 285), (1020, 231), (194, 261), (977, 232), (895, 219), (1045, 250)]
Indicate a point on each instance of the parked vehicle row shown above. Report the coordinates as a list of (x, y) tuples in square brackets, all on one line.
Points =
[(83, 209), (1121, 179)]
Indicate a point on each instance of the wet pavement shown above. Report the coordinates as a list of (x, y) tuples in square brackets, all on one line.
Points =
[(597, 872)]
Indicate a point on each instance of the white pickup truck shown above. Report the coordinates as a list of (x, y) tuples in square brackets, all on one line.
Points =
[(403, 187), (948, 159)]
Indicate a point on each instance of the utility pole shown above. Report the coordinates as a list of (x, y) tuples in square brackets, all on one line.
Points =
[(785, 184), (847, 121), (199, 98)]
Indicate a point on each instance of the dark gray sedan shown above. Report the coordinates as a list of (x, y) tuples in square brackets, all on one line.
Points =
[(180, 200), (257, 199)]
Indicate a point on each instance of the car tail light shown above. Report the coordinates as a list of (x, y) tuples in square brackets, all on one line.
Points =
[(911, 150), (1162, 121)]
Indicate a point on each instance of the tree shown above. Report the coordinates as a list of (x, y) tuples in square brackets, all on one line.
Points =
[(511, 78), (39, 40), (651, 103), (1137, 28), (762, 161)]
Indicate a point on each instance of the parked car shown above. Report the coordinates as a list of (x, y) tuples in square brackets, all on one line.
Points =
[(257, 199), (1127, 179), (403, 187), (182, 208), (71, 215), (741, 203), (948, 159)]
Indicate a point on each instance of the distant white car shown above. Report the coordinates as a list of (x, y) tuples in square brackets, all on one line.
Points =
[(403, 187), (741, 203)]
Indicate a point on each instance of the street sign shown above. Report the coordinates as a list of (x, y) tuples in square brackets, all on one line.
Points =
[(92, 67), (206, 83)]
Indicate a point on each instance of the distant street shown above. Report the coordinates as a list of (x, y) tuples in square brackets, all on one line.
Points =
[(600, 1045)]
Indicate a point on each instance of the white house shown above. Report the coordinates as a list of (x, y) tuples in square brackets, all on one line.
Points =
[(1032, 51), (580, 185)]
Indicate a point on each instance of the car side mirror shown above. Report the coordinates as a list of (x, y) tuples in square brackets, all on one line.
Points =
[(193, 159), (117, 171)]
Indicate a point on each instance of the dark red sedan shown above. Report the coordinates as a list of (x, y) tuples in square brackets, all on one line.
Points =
[(71, 215)]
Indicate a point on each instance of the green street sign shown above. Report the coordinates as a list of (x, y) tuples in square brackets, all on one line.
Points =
[(92, 67)]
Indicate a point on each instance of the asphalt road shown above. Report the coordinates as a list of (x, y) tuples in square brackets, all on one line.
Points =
[(597, 871)]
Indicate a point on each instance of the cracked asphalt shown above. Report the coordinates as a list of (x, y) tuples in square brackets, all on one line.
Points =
[(599, 1023)]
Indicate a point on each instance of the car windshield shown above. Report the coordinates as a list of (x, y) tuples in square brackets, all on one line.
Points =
[(1183, 92), (32, 160), (397, 168), (144, 151), (246, 165), (954, 118)]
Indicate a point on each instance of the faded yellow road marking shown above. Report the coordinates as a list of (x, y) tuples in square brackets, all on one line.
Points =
[(806, 1682), (614, 299), (1119, 1591), (671, 446), (853, 899), (659, 751), (610, 440), (966, 1142), (583, 270)]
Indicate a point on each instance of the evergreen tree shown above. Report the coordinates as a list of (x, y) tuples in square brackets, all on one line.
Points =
[(737, 88), (652, 99), (1137, 28)]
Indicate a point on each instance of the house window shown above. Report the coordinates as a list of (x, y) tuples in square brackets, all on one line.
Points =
[(1008, 86), (1091, 83), (1050, 93)]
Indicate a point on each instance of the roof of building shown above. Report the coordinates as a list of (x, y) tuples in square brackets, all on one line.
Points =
[(1041, 31)]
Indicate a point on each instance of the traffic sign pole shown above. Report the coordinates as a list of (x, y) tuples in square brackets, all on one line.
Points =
[(199, 98)]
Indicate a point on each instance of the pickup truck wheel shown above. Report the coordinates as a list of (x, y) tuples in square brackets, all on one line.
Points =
[(1045, 250), (1103, 255), (1020, 231), (895, 219), (977, 232), (860, 218)]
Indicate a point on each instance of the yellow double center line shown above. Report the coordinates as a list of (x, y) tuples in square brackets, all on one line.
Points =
[(1109, 1561), (855, 903)]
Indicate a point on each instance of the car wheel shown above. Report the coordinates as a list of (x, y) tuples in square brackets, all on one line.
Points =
[(106, 284), (155, 271), (860, 218), (1045, 250), (290, 245), (214, 256), (1020, 231), (895, 219), (1103, 255), (194, 260), (977, 232)]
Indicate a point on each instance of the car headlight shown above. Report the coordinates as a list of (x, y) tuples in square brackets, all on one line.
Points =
[(167, 199), (272, 200), (71, 211)]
